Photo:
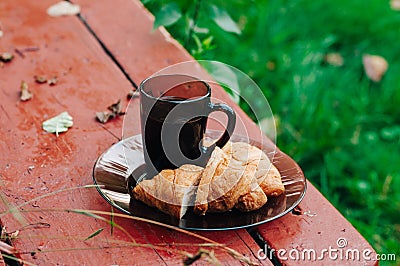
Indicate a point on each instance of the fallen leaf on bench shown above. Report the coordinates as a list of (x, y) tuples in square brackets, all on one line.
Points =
[(58, 124), (25, 93), (53, 81), (132, 94), (6, 57), (40, 79), (375, 66), (63, 8), (103, 117), (209, 255), (115, 110)]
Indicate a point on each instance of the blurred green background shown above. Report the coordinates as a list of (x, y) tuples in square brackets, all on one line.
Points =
[(342, 128)]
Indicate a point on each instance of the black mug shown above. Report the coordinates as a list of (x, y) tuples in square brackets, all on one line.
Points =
[(174, 110)]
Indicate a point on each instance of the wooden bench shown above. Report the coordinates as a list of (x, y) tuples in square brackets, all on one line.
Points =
[(98, 57)]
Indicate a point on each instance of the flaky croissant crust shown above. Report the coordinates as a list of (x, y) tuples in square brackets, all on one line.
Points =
[(238, 176)]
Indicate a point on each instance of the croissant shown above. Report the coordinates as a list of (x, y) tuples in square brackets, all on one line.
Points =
[(226, 189), (238, 176), (252, 200), (216, 165), (228, 177), (269, 178), (171, 191)]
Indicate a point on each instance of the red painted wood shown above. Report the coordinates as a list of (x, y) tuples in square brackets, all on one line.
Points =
[(317, 225), (142, 52), (34, 163)]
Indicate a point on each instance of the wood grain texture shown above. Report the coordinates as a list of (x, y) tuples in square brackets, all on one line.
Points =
[(34, 163)]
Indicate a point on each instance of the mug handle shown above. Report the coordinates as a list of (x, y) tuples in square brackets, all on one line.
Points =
[(229, 128)]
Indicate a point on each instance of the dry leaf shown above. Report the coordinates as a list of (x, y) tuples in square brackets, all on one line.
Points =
[(14, 235), (25, 93), (6, 57), (375, 66), (334, 59), (202, 253), (116, 110), (132, 94), (63, 8), (395, 5), (103, 117), (53, 81), (58, 124), (40, 79)]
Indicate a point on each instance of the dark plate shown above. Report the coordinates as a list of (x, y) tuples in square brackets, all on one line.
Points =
[(119, 168)]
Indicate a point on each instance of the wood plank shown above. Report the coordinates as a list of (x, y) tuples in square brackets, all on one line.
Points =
[(134, 44), (37, 163), (34, 163), (316, 226)]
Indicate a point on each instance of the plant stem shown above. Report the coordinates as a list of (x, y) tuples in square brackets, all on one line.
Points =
[(191, 28)]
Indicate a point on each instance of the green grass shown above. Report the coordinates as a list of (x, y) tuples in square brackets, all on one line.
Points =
[(342, 128)]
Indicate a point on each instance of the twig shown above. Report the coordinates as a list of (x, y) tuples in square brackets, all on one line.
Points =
[(20, 52), (38, 225)]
